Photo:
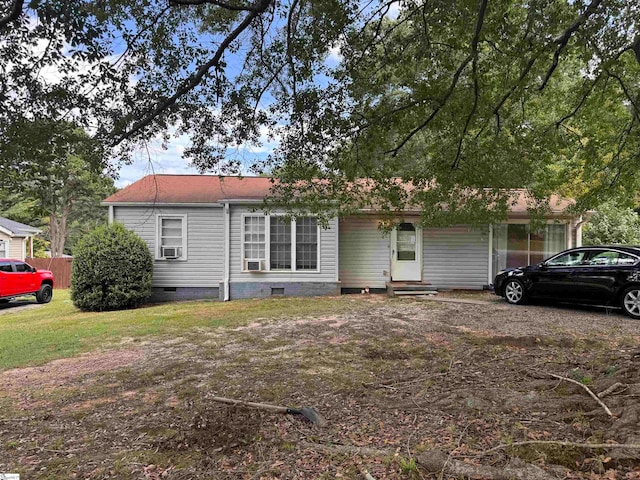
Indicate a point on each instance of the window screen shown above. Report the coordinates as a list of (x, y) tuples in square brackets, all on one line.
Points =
[(280, 248), (171, 237), (254, 238), (3, 248), (307, 243)]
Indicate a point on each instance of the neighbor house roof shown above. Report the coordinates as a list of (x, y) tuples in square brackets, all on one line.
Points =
[(191, 189), (194, 189), (17, 229)]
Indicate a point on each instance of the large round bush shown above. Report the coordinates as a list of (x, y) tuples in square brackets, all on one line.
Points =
[(112, 270)]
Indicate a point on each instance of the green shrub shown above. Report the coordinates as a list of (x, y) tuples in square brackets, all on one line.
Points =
[(612, 224), (112, 270)]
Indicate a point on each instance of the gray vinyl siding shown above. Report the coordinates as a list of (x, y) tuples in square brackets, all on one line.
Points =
[(204, 266), (456, 257), (328, 255), (365, 254)]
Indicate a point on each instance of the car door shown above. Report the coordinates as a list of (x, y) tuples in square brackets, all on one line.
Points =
[(599, 279), (7, 287), (554, 278), (24, 278)]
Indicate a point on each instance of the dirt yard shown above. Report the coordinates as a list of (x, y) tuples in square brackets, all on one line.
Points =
[(409, 389)]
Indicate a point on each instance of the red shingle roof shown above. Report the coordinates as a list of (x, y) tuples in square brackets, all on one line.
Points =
[(212, 189), (191, 189)]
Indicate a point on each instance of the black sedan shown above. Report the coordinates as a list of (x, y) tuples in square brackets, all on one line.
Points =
[(602, 275)]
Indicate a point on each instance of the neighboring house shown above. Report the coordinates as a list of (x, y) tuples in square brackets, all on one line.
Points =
[(208, 242), (16, 239)]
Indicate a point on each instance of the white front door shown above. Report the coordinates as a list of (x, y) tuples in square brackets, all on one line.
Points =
[(406, 252)]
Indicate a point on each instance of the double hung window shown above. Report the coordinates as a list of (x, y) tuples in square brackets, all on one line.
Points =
[(172, 237)]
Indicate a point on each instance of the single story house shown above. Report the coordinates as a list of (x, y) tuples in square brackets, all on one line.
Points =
[(16, 239), (209, 241)]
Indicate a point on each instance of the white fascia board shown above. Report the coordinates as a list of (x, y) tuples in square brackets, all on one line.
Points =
[(6, 231)]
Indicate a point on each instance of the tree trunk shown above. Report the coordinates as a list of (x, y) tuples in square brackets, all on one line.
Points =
[(58, 231)]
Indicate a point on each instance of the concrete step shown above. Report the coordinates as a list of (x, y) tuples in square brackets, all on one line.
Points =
[(415, 292)]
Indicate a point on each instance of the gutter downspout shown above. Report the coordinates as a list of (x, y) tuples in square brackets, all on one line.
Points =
[(227, 255), (581, 221), (110, 214)]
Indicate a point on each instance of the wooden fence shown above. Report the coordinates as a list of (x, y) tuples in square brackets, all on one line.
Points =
[(60, 267)]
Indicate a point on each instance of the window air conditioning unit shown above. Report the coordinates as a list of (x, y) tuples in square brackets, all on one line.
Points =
[(254, 265), (170, 253)]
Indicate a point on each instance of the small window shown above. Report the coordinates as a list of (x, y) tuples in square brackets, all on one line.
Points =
[(406, 242), (22, 267), (570, 259), (307, 243), (4, 249), (172, 242), (5, 267)]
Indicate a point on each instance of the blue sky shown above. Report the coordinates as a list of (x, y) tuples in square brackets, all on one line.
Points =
[(169, 160)]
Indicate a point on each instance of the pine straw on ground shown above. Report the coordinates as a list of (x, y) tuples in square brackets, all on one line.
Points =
[(395, 381)]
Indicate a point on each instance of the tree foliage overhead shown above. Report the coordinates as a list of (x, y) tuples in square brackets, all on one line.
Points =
[(55, 172), (467, 97)]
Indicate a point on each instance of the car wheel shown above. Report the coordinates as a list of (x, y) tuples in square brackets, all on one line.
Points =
[(45, 294), (631, 302), (514, 292)]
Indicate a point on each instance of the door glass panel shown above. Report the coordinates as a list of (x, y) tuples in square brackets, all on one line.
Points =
[(406, 242), (517, 245), (547, 242)]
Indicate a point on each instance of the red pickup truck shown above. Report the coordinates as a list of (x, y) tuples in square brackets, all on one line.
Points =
[(18, 278)]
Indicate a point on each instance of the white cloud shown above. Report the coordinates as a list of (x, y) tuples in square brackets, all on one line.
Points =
[(394, 10)]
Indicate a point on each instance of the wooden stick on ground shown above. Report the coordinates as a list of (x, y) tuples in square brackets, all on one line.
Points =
[(630, 446), (588, 390), (612, 389)]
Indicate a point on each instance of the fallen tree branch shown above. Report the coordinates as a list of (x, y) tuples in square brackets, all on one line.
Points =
[(436, 460), (559, 443), (587, 389), (612, 389)]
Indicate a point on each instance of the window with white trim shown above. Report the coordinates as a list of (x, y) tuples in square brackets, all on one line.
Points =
[(307, 243), (254, 238), (172, 237), (4, 249), (281, 243)]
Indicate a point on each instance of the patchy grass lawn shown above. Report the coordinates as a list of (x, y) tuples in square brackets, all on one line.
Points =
[(59, 330), (410, 389)]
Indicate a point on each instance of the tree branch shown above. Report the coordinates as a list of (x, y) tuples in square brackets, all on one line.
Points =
[(141, 32), (563, 39), (193, 80), (636, 108), (443, 100), (13, 14), (474, 74), (587, 389), (630, 446), (580, 104), (217, 3)]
